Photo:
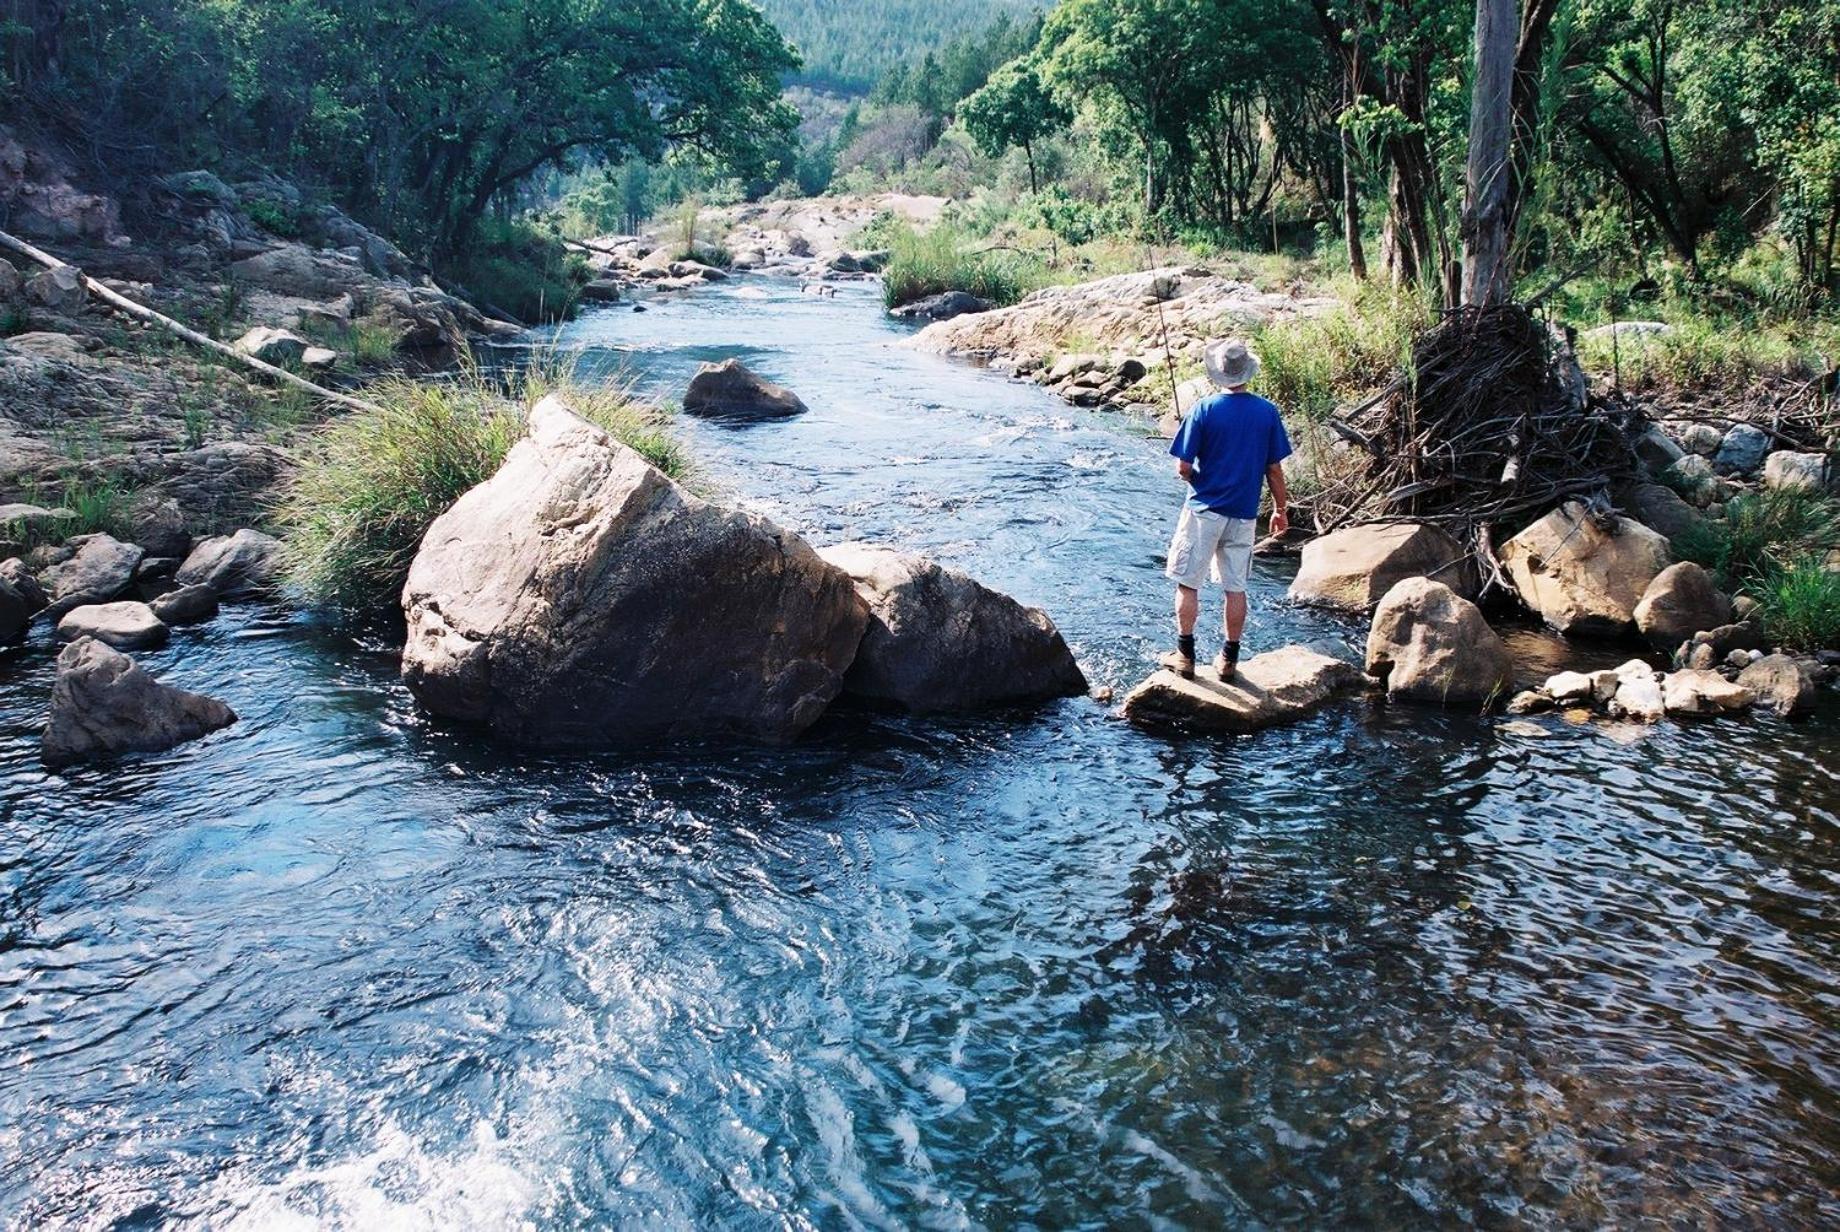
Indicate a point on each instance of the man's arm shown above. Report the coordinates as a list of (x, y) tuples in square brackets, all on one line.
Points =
[(1280, 498), (1186, 470)]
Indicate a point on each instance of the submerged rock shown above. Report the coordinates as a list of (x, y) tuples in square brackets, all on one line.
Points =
[(1779, 682), (1429, 644), (1581, 578), (729, 390), (234, 566), (102, 702), (1279, 686), (126, 625), (941, 307), (1681, 601), (101, 568), (580, 597), (1351, 569), (939, 640)]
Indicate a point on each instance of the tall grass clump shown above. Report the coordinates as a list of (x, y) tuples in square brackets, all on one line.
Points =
[(368, 489), (932, 262), (1312, 365), (513, 268), (1772, 545)]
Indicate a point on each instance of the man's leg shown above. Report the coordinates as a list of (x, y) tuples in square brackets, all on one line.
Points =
[(1188, 610), (1236, 614), (1235, 565)]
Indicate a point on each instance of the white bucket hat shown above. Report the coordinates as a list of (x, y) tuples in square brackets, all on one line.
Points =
[(1230, 363)]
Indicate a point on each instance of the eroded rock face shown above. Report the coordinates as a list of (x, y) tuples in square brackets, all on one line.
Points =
[(101, 568), (1430, 644), (126, 625), (1352, 569), (580, 597), (729, 391), (939, 640), (234, 566), (1279, 686), (1681, 601), (103, 703), (1581, 578)]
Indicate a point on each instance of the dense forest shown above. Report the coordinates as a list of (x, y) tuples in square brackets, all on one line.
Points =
[(848, 44)]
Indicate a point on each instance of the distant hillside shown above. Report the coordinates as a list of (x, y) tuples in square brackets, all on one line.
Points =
[(848, 43)]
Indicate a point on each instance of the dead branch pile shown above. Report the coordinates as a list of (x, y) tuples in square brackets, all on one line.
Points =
[(1492, 428)]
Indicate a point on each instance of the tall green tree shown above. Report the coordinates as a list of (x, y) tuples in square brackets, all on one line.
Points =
[(1014, 110)]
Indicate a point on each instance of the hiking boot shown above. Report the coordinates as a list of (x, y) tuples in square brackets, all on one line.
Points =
[(1181, 664), (1226, 663)]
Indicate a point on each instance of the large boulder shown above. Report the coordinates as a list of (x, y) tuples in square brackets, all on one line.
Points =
[(102, 702), (1681, 601), (580, 597), (728, 390), (235, 566), (1779, 682), (1580, 576), (187, 605), (939, 640), (1430, 644), (58, 290), (101, 568), (1661, 508), (16, 575), (1279, 686), (1743, 450), (125, 625), (1351, 569), (1787, 468)]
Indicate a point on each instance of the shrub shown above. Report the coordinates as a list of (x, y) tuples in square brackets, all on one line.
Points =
[(516, 269), (1762, 533), (1801, 605), (1311, 365), (362, 499), (923, 263)]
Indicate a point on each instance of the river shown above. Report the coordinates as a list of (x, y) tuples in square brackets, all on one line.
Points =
[(340, 966)]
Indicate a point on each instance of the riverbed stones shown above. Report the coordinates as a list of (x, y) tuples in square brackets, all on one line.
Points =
[(100, 568), (1279, 686), (1660, 508), (580, 597), (1788, 468), (1742, 451), (1638, 694), (1352, 569), (1429, 644), (1583, 574), (1691, 692), (188, 605), (126, 625), (102, 702), (15, 574), (234, 566), (1565, 687), (729, 391), (271, 345), (1681, 601), (938, 640), (1779, 682)]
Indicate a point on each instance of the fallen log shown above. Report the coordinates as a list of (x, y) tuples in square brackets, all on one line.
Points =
[(141, 312)]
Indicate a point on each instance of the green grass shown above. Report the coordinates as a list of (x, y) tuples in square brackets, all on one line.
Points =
[(360, 344), (366, 492), (1762, 533), (99, 503), (1314, 365), (923, 263), (1801, 605)]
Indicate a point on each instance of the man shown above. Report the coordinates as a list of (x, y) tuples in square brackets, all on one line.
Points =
[(1229, 446)]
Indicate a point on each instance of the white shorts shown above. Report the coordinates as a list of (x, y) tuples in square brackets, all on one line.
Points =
[(1205, 539)]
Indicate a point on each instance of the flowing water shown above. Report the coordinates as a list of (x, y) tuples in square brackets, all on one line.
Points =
[(341, 966)]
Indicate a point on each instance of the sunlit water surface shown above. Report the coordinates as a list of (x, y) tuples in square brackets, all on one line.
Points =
[(340, 966)]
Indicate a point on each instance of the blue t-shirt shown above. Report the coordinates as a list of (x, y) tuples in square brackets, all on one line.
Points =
[(1230, 439)]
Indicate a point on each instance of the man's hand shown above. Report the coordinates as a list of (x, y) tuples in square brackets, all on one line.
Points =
[(1280, 521)]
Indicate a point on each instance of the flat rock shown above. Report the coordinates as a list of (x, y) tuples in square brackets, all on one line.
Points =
[(1279, 686), (125, 625), (939, 640), (1351, 569), (101, 568), (103, 702), (580, 597), (1694, 692), (1779, 682), (235, 566), (34, 519), (1581, 578), (729, 391), (188, 605), (272, 346)]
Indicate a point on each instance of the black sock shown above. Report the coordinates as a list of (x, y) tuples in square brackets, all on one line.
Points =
[(1185, 642), (1233, 652)]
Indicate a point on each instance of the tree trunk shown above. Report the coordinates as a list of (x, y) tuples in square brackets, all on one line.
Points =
[(1487, 276), (1028, 153), (1351, 209)]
